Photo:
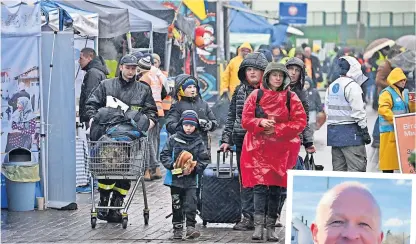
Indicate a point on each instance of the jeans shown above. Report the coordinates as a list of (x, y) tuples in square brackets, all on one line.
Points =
[(267, 196), (183, 202), (246, 194)]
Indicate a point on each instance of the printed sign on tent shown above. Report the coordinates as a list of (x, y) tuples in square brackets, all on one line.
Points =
[(20, 82), (405, 129)]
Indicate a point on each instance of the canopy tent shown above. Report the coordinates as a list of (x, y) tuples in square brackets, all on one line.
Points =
[(56, 16), (244, 22), (153, 8), (112, 21), (140, 21)]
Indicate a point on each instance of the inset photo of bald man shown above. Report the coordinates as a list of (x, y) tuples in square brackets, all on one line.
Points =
[(346, 207)]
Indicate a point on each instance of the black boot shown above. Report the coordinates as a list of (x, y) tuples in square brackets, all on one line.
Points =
[(114, 215), (278, 223), (270, 229), (245, 224), (258, 227), (104, 197), (177, 231), (192, 233)]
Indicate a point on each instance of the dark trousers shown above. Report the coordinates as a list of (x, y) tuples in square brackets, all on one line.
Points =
[(120, 186), (246, 194), (283, 194), (183, 202), (388, 171), (266, 196)]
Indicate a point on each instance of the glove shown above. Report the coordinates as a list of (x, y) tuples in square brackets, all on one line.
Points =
[(206, 125), (366, 136)]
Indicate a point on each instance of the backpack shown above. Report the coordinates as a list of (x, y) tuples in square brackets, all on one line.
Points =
[(259, 113)]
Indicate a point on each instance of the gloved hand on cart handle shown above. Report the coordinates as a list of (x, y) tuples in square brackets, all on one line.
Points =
[(206, 125)]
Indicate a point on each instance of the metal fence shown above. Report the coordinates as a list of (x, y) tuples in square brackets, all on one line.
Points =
[(368, 19)]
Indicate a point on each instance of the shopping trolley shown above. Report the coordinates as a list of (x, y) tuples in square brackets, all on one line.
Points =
[(118, 160)]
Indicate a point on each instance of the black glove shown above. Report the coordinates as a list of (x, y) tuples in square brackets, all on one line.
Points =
[(206, 125), (366, 136)]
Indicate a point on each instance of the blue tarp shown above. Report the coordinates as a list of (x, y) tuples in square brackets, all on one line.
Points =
[(64, 17), (242, 22)]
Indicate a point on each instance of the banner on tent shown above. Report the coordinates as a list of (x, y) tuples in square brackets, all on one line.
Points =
[(20, 105), (20, 20), (207, 56)]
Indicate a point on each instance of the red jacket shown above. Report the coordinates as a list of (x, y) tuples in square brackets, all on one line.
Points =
[(265, 159)]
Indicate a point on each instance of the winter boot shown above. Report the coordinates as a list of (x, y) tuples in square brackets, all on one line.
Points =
[(104, 198), (270, 229), (245, 224), (192, 233), (278, 223), (147, 176), (114, 215), (177, 231), (157, 175), (258, 228)]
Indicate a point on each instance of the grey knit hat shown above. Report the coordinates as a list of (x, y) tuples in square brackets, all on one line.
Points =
[(145, 63)]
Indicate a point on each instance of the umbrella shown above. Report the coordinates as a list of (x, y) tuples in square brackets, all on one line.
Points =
[(377, 45), (294, 31), (406, 61), (408, 42)]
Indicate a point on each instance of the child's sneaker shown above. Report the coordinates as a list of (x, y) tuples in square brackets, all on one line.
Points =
[(177, 234), (192, 233)]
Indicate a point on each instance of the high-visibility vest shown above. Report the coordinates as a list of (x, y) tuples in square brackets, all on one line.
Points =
[(167, 101), (156, 85), (380, 60), (339, 109), (399, 107)]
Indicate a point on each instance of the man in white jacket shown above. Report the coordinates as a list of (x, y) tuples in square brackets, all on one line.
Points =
[(347, 118)]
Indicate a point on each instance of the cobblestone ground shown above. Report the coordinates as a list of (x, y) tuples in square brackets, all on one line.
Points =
[(54, 226)]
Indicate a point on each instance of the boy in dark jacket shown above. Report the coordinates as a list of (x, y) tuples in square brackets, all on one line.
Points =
[(188, 97), (184, 156)]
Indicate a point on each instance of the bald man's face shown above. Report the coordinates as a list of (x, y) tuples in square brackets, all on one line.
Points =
[(351, 217)]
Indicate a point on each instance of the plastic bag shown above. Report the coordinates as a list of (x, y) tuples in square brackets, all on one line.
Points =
[(21, 173)]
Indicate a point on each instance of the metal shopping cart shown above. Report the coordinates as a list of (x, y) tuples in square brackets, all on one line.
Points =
[(118, 160)]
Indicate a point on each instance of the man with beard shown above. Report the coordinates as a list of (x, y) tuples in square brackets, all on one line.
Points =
[(250, 74)]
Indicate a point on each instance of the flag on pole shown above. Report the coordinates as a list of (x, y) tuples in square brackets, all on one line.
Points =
[(197, 7)]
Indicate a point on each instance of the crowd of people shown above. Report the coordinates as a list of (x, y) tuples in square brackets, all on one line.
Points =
[(274, 110)]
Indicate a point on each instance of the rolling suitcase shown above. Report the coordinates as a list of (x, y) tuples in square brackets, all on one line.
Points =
[(220, 192)]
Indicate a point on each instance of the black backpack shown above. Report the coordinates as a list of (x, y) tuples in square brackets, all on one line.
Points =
[(259, 113)]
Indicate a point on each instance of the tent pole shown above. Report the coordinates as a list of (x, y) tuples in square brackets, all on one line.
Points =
[(95, 44), (168, 54), (42, 128), (129, 47), (48, 105)]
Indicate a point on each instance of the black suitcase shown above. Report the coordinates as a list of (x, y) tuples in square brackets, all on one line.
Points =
[(220, 192)]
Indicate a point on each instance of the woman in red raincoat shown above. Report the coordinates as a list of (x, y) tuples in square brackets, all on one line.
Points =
[(271, 145)]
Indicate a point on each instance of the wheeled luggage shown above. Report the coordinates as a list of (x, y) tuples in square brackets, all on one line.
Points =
[(220, 192)]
